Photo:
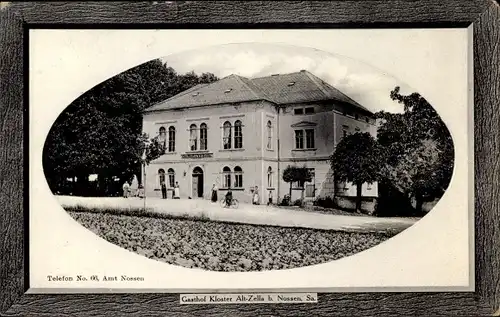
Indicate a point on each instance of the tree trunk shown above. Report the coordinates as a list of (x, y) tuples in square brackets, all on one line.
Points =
[(82, 180), (358, 197), (290, 193), (419, 203)]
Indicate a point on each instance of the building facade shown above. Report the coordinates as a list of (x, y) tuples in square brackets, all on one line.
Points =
[(241, 133)]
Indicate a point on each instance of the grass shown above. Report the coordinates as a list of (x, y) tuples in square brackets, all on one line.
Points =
[(137, 212)]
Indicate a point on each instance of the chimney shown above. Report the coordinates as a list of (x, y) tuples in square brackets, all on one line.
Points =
[(302, 70)]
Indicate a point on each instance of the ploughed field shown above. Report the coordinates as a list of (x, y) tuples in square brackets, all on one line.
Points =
[(220, 246)]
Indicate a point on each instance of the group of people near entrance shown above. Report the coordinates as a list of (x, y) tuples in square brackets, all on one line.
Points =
[(229, 195), (175, 192), (134, 190)]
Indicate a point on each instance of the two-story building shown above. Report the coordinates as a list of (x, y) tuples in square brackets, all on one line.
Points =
[(241, 133)]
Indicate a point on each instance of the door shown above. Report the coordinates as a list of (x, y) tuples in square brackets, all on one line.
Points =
[(200, 185), (197, 188), (310, 186)]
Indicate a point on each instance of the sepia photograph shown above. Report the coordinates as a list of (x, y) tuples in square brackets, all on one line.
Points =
[(177, 157), (248, 157), (265, 156)]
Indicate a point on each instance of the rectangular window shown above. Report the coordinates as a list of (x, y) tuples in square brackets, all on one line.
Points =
[(203, 139), (297, 185), (269, 135), (193, 138), (310, 138), (238, 180), (299, 139), (238, 137), (227, 143), (226, 139), (171, 140), (227, 180), (193, 144), (309, 110), (298, 111), (171, 180)]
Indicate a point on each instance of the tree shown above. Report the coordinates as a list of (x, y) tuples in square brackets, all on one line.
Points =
[(357, 158), (100, 132), (293, 174), (418, 147)]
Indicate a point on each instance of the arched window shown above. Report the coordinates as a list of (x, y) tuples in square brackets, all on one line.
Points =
[(226, 171), (171, 139), (171, 177), (269, 177), (193, 138), (238, 177), (226, 135), (238, 135), (269, 134), (161, 176), (203, 136), (162, 137)]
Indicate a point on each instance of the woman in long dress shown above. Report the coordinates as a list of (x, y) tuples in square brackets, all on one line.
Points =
[(214, 193), (176, 191), (255, 200), (134, 186)]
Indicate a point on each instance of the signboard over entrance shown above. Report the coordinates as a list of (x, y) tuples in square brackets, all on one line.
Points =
[(196, 155)]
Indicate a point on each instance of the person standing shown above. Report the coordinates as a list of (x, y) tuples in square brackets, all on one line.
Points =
[(125, 188), (255, 199), (140, 192), (163, 189), (177, 191), (229, 198), (214, 193)]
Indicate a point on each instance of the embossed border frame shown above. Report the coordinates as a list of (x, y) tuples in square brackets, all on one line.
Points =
[(481, 17)]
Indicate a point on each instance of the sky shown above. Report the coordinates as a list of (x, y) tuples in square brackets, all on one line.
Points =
[(367, 85)]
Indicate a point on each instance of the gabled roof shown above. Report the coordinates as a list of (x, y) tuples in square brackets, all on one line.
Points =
[(229, 89), (281, 89)]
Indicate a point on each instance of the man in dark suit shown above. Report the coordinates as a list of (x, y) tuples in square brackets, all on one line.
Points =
[(163, 190)]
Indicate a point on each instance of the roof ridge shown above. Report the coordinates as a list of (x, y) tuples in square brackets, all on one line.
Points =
[(297, 72), (182, 93), (192, 89), (240, 79), (314, 80)]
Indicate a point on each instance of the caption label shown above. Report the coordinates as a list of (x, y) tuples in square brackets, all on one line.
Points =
[(249, 298)]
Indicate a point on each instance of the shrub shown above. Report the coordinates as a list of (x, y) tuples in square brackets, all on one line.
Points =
[(285, 201), (325, 202), (298, 202)]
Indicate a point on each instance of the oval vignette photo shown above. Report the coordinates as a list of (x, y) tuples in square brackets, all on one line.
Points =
[(249, 157)]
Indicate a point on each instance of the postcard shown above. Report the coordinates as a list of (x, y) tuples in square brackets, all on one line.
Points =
[(206, 161)]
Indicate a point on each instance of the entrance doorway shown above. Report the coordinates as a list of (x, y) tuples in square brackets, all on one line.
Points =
[(197, 187)]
